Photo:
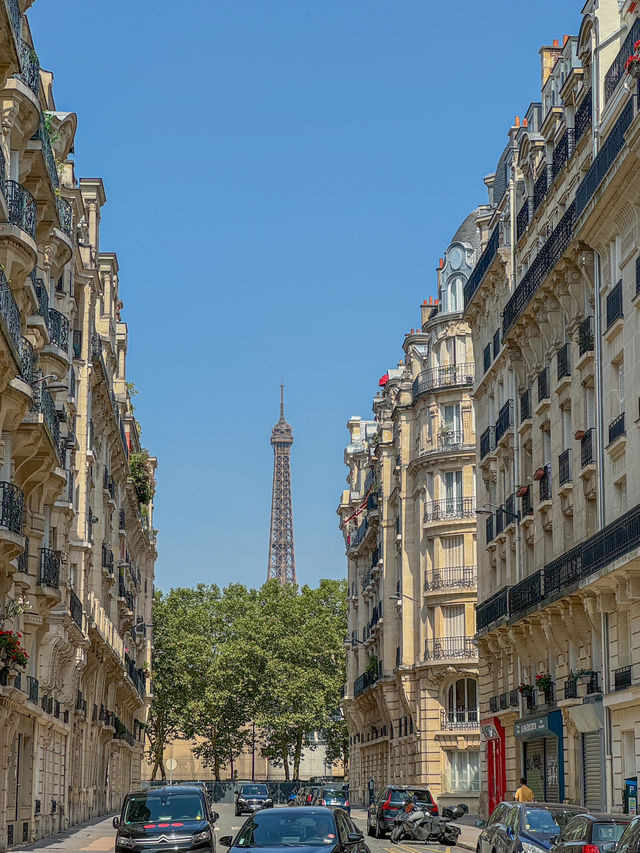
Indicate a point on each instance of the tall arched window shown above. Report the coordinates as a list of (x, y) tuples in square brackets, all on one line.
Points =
[(462, 702)]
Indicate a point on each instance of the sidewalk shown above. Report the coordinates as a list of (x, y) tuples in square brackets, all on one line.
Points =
[(96, 836)]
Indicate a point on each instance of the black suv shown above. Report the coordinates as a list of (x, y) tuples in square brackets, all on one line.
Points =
[(390, 801), (155, 819), (251, 797)]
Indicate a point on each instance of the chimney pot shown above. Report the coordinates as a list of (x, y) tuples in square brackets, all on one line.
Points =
[(565, 39), (517, 122), (525, 122), (556, 43)]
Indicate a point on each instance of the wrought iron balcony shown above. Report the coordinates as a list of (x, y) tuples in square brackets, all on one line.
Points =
[(490, 528), (545, 484), (505, 420), (525, 406), (564, 467), (603, 161), (493, 609), (487, 441), (10, 314), (23, 559), (23, 210), (42, 295), (451, 375), (49, 568), (33, 689), (15, 16), (108, 483), (586, 449), (571, 689), (496, 343), (107, 559), (450, 648), (527, 504), (511, 512), (65, 214), (451, 577), (543, 385), (522, 220), (614, 304), (622, 677), (122, 588), (355, 539), (58, 329), (134, 674), (617, 428), (480, 269), (583, 117), (453, 441), (43, 404), (450, 508), (77, 343), (363, 682), (459, 719), (542, 265), (366, 580), (561, 154), (493, 703), (28, 361), (617, 68), (593, 685), (500, 519), (29, 67), (562, 362), (12, 507), (585, 336), (540, 189), (486, 357), (525, 594)]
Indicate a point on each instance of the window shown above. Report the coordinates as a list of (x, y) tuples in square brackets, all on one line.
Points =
[(463, 770), (452, 294), (452, 551), (453, 619), (453, 490), (462, 701), (629, 754)]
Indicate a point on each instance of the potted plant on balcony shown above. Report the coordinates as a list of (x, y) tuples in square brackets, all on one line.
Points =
[(539, 474), (12, 653), (522, 491), (526, 689), (544, 682), (632, 65), (579, 434)]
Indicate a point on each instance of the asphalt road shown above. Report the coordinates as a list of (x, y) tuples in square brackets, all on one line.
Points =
[(98, 836)]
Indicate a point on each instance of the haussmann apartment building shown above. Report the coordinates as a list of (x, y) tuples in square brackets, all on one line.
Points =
[(553, 306), (409, 522), (77, 545)]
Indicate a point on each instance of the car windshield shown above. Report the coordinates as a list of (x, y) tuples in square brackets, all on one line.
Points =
[(605, 832), (254, 790), (330, 794), (272, 828), (546, 821), (177, 806), (398, 798)]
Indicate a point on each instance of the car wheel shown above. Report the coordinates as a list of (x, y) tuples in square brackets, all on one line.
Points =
[(380, 833), (369, 829)]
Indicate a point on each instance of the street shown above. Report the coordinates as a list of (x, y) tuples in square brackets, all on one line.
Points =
[(98, 836)]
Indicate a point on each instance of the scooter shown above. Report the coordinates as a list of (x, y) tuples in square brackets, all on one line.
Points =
[(420, 825)]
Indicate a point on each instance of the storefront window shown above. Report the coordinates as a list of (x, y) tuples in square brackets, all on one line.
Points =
[(463, 771)]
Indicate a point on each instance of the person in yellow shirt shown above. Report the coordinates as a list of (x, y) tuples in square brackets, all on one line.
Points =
[(524, 794)]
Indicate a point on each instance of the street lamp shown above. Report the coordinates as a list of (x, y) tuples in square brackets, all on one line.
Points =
[(514, 516), (56, 385), (398, 596)]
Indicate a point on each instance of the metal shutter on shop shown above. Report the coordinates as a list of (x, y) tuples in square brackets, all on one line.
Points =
[(551, 770), (534, 767), (592, 770)]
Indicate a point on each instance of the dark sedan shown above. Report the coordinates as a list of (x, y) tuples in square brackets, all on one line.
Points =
[(251, 797), (298, 829), (167, 818), (390, 801), (589, 833), (524, 827)]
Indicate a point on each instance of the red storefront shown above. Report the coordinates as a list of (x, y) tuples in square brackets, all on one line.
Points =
[(496, 761)]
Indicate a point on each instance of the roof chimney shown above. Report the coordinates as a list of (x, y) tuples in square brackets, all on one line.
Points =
[(517, 121)]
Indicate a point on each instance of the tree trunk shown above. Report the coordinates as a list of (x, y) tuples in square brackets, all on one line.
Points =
[(162, 770), (285, 762), (297, 756), (216, 757)]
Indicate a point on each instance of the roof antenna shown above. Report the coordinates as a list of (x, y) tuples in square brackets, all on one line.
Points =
[(281, 401)]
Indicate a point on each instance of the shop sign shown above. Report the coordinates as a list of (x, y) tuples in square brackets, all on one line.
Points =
[(527, 728)]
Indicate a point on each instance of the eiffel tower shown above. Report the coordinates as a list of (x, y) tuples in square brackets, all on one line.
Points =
[(282, 557)]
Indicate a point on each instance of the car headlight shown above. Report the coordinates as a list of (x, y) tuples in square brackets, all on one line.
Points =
[(126, 841), (268, 802), (201, 836), (532, 848)]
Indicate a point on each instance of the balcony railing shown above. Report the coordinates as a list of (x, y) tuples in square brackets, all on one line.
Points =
[(134, 674), (484, 262), (563, 366), (511, 512), (33, 689), (23, 559), (545, 484), (12, 507), (617, 68), (122, 587), (585, 336), (44, 405), (10, 314), (505, 420), (23, 210), (77, 343), (564, 467), (450, 508), (355, 539), (525, 594), (15, 16), (28, 361), (42, 295), (65, 213), (489, 528), (571, 689), (29, 67), (486, 357), (527, 504), (363, 682), (107, 559), (540, 189), (451, 577), (450, 375), (543, 385), (617, 428), (58, 329), (487, 441), (460, 718), (543, 264), (560, 155), (614, 304), (492, 609), (453, 441), (75, 608), (622, 677), (525, 406), (583, 117), (500, 518), (603, 161), (450, 648), (49, 568), (586, 449), (522, 220)]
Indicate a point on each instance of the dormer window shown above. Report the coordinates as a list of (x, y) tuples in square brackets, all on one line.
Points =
[(451, 296)]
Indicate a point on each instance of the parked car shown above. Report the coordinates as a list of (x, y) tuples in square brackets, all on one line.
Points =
[(629, 840), (176, 815), (293, 828), (589, 833), (524, 827), (333, 798), (252, 797), (390, 801), (307, 795)]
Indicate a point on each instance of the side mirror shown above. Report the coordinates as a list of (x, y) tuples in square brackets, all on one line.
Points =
[(481, 824), (215, 817), (355, 838), (553, 839), (116, 822), (226, 840)]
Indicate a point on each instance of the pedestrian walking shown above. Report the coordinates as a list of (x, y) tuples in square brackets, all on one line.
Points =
[(524, 794)]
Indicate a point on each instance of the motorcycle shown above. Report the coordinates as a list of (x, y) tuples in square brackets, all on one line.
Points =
[(420, 825)]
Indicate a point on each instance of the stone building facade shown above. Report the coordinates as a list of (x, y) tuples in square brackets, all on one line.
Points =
[(77, 548), (408, 517), (553, 308)]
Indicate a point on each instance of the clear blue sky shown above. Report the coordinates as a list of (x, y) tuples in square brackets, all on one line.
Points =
[(281, 178)]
